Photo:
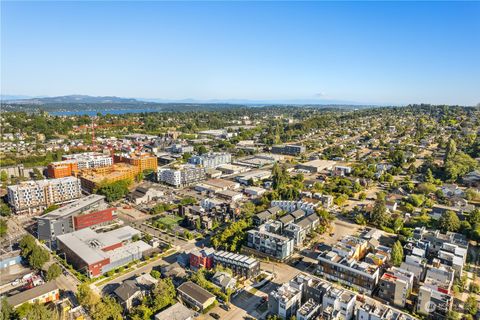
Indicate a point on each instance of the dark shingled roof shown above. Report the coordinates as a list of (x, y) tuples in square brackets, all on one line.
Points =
[(127, 289), (195, 292), (286, 219)]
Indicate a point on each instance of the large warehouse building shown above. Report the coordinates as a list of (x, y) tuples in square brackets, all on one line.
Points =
[(316, 166), (97, 253)]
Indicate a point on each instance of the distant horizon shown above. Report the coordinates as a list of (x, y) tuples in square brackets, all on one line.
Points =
[(367, 53), (231, 101)]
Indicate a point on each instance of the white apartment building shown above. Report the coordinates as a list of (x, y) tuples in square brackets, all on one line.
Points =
[(291, 205), (285, 301), (211, 160), (90, 160), (34, 196), (183, 176), (338, 304), (308, 311)]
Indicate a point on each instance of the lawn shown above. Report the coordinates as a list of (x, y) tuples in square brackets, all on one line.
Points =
[(167, 221)]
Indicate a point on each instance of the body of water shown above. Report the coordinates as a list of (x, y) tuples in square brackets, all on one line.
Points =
[(103, 112)]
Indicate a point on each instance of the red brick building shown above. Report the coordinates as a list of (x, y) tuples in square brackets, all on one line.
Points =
[(93, 218), (202, 258)]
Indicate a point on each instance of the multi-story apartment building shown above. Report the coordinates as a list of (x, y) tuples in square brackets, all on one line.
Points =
[(201, 258), (435, 297), (180, 148), (182, 176), (82, 213), (454, 256), (36, 196), (211, 160), (240, 265), (298, 231), (338, 304), (435, 303), (436, 239), (342, 263), (120, 171), (144, 161), (416, 265), (90, 160), (285, 301), (291, 205), (289, 149), (395, 286), (308, 311), (270, 244), (60, 169), (376, 311)]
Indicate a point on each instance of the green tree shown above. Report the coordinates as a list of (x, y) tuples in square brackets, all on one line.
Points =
[(37, 175), (156, 274), (51, 208), (397, 224), (139, 177), (474, 217), (341, 199), (3, 227), (5, 210), (38, 257), (27, 244), (3, 176), (86, 297), (107, 309), (378, 216), (35, 311), (115, 190), (362, 196), (450, 150), (360, 219), (6, 310), (449, 221), (163, 294), (141, 312), (429, 176), (397, 254), (471, 305), (452, 315), (53, 272)]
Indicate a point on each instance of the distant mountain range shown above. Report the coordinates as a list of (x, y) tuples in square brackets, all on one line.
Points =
[(67, 100), (85, 99)]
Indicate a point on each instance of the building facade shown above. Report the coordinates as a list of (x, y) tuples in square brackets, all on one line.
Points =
[(241, 265), (62, 169), (143, 161), (97, 253), (82, 213), (285, 301), (90, 160), (211, 160), (201, 258), (270, 244), (289, 149), (36, 196), (183, 176)]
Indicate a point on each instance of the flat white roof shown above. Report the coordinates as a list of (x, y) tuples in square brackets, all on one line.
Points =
[(74, 206)]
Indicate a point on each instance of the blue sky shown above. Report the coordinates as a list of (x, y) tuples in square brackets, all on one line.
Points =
[(365, 52)]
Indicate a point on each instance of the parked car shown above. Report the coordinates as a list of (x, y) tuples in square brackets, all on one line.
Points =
[(225, 307), (215, 315)]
